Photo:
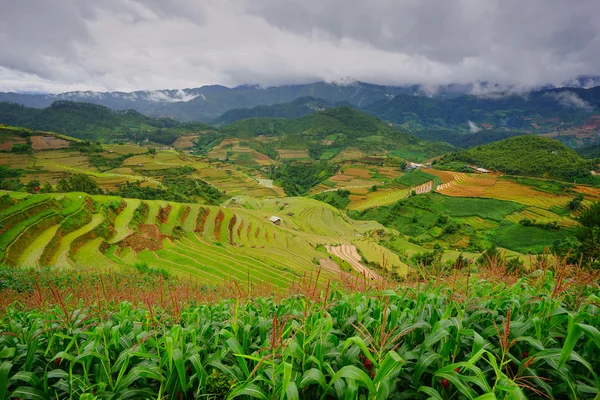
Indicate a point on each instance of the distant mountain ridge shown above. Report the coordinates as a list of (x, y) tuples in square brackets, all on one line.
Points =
[(296, 108), (95, 122), (209, 102)]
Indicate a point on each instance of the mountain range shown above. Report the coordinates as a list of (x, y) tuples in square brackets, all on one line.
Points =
[(567, 113)]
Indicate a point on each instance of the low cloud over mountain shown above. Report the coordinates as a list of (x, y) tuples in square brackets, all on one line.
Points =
[(67, 45)]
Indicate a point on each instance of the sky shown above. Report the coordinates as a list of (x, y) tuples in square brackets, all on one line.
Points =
[(107, 45)]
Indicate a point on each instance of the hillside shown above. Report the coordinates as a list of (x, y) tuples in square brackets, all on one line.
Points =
[(526, 155), (592, 151), (95, 122), (293, 109), (212, 243), (332, 131), (541, 111), (463, 139), (449, 106), (209, 102)]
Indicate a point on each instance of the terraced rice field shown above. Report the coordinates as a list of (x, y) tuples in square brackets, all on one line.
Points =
[(541, 215), (479, 223), (238, 154), (13, 160), (381, 197), (349, 154), (469, 185), (61, 160), (590, 193), (236, 182), (349, 254), (48, 142), (184, 142), (208, 243), (489, 186), (7, 141), (290, 154), (511, 191), (125, 148), (373, 252)]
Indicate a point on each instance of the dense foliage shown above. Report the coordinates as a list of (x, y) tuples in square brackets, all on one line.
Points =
[(527, 155), (584, 246), (592, 151), (294, 109), (175, 188), (95, 122), (297, 178), (438, 221), (463, 139), (531, 339), (78, 183), (335, 128), (339, 198), (542, 110)]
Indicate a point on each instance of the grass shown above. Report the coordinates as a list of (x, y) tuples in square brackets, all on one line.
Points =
[(526, 239), (329, 153), (491, 209), (31, 254), (382, 197), (418, 177), (246, 243)]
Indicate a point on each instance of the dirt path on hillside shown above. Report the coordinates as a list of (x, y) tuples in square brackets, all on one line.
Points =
[(350, 254)]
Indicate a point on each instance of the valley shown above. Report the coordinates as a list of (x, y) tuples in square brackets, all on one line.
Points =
[(326, 254), (186, 210)]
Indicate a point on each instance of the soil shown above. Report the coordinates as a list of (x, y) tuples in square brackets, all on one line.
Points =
[(230, 228), (163, 214), (201, 219), (48, 143), (185, 214), (148, 237), (217, 228)]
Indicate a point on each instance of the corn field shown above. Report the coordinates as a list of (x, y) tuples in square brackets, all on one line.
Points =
[(534, 338)]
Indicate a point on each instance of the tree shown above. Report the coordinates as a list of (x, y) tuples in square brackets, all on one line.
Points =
[(21, 148), (63, 186), (47, 188), (151, 150), (32, 186), (575, 203), (83, 183), (589, 235)]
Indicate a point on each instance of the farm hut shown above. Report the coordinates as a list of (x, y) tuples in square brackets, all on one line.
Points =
[(275, 220), (412, 166), (140, 165)]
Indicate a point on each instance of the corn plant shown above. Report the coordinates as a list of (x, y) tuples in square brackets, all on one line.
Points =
[(502, 341)]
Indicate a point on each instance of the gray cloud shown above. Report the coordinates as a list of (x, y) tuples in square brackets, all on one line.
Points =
[(570, 99), (473, 128), (63, 45)]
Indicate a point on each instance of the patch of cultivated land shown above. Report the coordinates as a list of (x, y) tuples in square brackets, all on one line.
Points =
[(289, 154), (489, 186), (184, 142), (32, 253), (349, 254), (235, 242), (8, 141), (48, 142), (12, 160), (125, 148), (381, 197)]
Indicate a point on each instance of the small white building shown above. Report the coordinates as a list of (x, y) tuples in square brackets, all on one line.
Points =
[(480, 170), (275, 220), (412, 166)]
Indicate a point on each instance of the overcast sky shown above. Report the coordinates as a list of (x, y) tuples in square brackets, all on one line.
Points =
[(63, 45)]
